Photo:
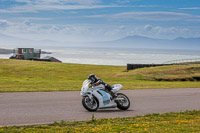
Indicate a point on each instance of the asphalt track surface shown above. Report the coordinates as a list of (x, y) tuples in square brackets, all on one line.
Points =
[(30, 108)]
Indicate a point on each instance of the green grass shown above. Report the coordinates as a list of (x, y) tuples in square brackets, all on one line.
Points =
[(20, 75), (184, 72), (188, 121)]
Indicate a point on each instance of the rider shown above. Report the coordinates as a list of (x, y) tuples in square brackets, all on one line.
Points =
[(96, 81)]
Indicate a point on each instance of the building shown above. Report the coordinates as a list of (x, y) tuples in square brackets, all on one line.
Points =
[(31, 54), (26, 53)]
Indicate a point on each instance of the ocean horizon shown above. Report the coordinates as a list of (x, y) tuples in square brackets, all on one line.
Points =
[(115, 56)]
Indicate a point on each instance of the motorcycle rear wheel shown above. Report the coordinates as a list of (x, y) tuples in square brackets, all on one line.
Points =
[(90, 105), (123, 104)]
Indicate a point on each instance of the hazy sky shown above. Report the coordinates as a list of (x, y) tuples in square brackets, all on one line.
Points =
[(95, 20)]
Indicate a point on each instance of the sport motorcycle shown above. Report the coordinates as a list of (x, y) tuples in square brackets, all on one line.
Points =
[(97, 97)]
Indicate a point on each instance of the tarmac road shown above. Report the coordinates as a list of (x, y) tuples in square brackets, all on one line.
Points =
[(30, 108)]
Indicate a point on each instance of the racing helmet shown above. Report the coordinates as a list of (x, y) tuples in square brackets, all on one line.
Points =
[(92, 77)]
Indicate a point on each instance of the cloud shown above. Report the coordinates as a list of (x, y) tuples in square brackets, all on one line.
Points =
[(20, 9), (95, 16), (47, 2), (26, 28), (47, 5), (33, 18), (3, 23), (123, 1), (190, 8), (122, 27), (65, 7), (153, 16), (50, 6), (194, 20), (148, 16), (148, 27), (168, 32), (127, 1), (173, 30)]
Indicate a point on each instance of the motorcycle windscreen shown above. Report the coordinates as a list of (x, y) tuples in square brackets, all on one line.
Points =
[(106, 98)]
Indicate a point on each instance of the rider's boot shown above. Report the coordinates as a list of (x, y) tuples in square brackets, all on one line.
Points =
[(109, 88), (113, 95)]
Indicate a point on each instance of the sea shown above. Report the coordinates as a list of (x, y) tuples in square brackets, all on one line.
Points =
[(117, 56)]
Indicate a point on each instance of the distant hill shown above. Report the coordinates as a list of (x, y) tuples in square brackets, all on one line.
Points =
[(126, 42), (145, 42)]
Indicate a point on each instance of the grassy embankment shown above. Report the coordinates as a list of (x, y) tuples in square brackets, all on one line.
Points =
[(188, 121), (19, 75)]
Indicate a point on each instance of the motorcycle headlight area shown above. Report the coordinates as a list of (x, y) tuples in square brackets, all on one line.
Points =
[(85, 88), (86, 85)]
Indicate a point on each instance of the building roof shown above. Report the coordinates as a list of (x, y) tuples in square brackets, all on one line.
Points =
[(53, 59), (47, 57)]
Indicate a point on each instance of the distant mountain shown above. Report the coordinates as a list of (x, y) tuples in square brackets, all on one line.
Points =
[(145, 42), (126, 42), (187, 40)]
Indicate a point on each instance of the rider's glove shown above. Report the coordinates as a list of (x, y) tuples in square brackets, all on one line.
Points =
[(96, 84)]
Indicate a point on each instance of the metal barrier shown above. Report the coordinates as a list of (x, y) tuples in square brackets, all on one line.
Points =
[(136, 66), (182, 61)]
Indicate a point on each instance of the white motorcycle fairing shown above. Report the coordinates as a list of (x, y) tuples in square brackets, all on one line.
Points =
[(105, 100), (116, 88)]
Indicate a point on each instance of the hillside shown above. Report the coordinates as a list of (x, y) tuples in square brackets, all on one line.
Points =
[(155, 43), (126, 42), (149, 43), (184, 72), (20, 75)]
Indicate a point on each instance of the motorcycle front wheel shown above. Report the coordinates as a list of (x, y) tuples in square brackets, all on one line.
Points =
[(90, 104), (124, 102)]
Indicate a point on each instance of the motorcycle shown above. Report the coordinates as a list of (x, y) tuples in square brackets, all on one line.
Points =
[(96, 97)]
